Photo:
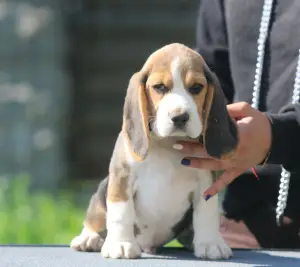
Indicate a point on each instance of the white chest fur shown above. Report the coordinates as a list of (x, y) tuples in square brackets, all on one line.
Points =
[(163, 190)]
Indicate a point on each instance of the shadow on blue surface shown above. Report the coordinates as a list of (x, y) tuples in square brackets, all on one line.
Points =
[(62, 256), (241, 257)]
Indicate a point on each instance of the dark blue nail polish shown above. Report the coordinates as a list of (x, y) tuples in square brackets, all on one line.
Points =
[(207, 197), (186, 162)]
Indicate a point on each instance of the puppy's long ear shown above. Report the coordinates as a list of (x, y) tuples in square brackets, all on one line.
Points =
[(220, 135), (135, 117)]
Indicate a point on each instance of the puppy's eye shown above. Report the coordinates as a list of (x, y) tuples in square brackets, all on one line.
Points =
[(196, 89), (161, 88)]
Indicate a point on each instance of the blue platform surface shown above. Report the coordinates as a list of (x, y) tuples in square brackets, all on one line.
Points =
[(63, 256)]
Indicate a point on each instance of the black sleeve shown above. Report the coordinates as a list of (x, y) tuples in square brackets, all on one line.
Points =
[(211, 42), (285, 148)]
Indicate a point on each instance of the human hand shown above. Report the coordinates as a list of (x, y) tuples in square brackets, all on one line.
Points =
[(254, 144)]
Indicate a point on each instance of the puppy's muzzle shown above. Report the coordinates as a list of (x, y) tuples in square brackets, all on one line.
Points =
[(180, 120)]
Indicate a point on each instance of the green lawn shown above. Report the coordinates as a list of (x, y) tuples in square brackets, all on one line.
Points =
[(173, 243), (36, 218)]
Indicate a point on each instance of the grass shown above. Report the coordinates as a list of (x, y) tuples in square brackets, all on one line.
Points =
[(36, 217), (173, 244)]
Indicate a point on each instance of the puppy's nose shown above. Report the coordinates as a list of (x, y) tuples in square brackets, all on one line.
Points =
[(180, 120)]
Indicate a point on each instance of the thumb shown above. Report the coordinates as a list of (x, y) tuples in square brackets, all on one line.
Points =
[(239, 110)]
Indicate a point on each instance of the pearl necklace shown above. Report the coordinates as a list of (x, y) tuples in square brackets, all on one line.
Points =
[(263, 34)]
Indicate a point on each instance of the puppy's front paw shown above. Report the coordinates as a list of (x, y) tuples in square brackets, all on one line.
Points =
[(216, 250), (91, 242), (124, 250)]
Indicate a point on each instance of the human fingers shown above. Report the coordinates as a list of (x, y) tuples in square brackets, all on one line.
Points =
[(224, 180), (203, 163), (191, 148)]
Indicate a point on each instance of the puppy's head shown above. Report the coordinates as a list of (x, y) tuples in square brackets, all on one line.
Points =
[(175, 94)]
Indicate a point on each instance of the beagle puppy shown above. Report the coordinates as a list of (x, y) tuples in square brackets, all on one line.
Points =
[(149, 197)]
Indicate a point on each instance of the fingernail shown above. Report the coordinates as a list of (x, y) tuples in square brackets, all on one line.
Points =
[(185, 162), (178, 146), (207, 197)]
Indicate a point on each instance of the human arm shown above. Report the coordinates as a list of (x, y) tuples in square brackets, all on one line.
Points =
[(285, 147)]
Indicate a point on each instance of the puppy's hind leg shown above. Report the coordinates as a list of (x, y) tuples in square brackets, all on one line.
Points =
[(93, 233)]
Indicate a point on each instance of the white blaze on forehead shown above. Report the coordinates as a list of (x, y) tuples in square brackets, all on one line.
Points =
[(176, 74), (178, 97)]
